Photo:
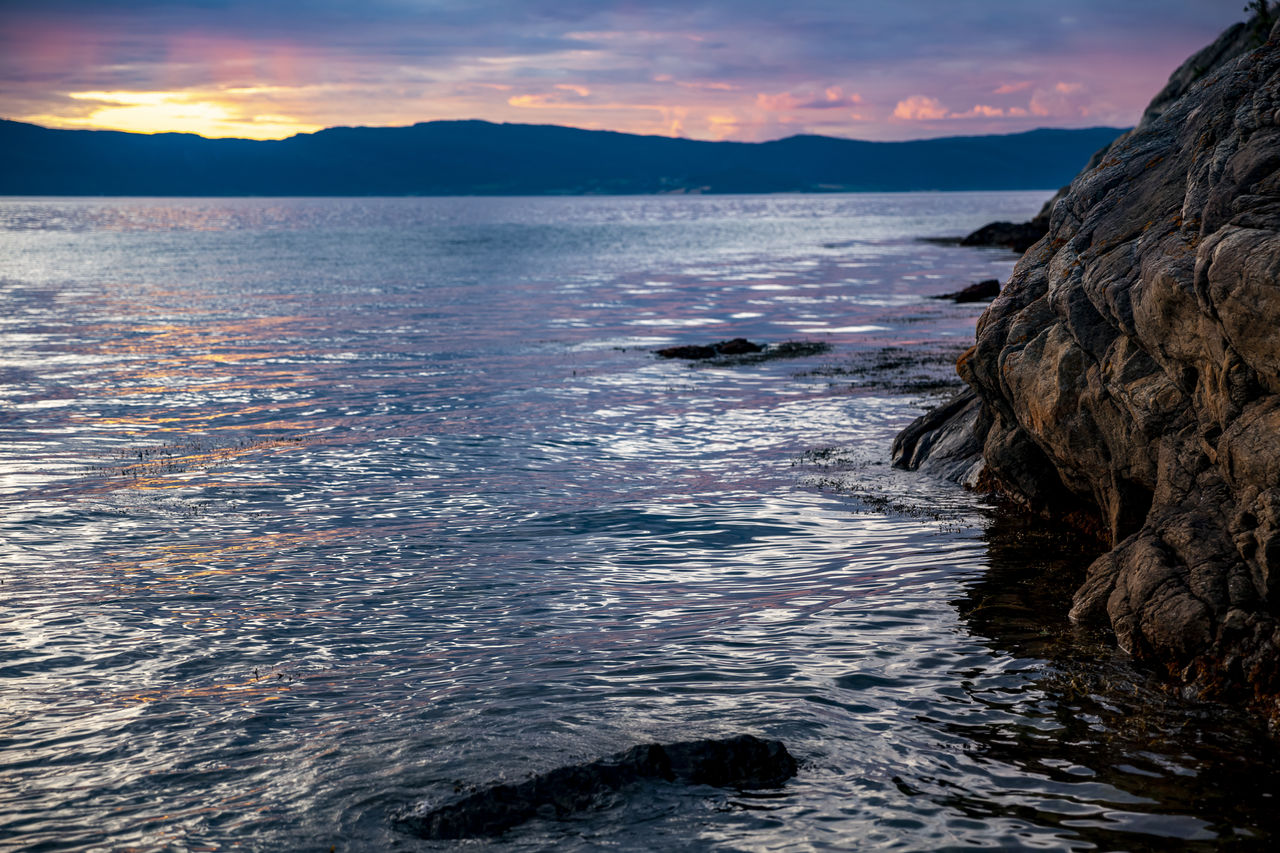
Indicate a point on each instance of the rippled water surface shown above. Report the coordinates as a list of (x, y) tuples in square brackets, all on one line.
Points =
[(314, 510)]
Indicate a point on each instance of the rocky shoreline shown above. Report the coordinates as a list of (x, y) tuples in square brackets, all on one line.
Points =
[(1127, 378)]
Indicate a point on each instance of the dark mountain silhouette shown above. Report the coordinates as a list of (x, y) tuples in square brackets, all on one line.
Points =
[(481, 158)]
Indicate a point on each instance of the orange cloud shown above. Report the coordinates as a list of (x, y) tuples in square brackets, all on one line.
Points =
[(723, 126), (580, 91), (531, 100), (919, 108)]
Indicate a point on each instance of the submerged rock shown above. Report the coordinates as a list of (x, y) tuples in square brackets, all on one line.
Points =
[(739, 762), (743, 351), (737, 346), (1130, 370), (979, 292)]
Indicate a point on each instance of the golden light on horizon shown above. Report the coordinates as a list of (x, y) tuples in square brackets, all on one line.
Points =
[(174, 112)]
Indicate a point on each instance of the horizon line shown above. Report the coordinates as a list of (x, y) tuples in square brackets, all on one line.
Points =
[(558, 126)]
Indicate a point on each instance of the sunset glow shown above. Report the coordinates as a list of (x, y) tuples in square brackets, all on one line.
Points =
[(715, 70), (161, 112)]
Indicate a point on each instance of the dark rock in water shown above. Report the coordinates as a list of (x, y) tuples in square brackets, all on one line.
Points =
[(1130, 369), (559, 793), (978, 292), (1018, 236), (742, 351), (739, 762), (945, 442), (689, 351), (788, 349), (737, 346)]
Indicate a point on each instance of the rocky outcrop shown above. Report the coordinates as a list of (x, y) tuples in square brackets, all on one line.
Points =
[(740, 762), (1018, 236), (1129, 372)]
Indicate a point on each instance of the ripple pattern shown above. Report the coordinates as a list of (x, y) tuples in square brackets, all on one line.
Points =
[(313, 509)]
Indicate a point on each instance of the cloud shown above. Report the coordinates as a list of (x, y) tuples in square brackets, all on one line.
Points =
[(781, 102), (1060, 101), (984, 111), (1010, 88), (919, 108), (832, 97), (397, 62)]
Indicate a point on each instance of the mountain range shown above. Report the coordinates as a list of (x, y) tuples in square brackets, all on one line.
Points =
[(482, 158)]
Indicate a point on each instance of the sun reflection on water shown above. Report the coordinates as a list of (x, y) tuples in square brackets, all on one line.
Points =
[(314, 508)]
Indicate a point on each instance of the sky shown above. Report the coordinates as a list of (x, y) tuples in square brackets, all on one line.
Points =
[(747, 70)]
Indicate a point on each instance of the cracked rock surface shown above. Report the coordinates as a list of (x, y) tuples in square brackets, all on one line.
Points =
[(1130, 371)]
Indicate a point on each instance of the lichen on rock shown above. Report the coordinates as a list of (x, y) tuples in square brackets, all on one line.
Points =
[(1130, 369)]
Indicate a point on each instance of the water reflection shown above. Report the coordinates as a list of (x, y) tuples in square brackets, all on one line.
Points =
[(288, 544), (1116, 756)]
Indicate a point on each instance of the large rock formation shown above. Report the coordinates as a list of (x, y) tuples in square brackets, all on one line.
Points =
[(1129, 372)]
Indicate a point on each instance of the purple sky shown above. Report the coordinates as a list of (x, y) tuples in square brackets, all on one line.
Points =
[(728, 69)]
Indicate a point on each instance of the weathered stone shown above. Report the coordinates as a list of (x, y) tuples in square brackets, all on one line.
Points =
[(737, 346), (739, 762), (978, 292), (946, 442), (1130, 369), (1018, 236)]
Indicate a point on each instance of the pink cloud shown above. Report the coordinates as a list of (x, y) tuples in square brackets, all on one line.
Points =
[(1064, 100), (580, 91), (1010, 88), (781, 102), (983, 110), (919, 108), (830, 98)]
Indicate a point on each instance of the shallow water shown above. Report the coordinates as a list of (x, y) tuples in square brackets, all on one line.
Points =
[(313, 510)]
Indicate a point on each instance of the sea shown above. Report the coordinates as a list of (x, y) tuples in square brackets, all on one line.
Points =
[(316, 512)]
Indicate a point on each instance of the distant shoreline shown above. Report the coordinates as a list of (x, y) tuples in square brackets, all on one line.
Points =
[(943, 240), (469, 158)]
